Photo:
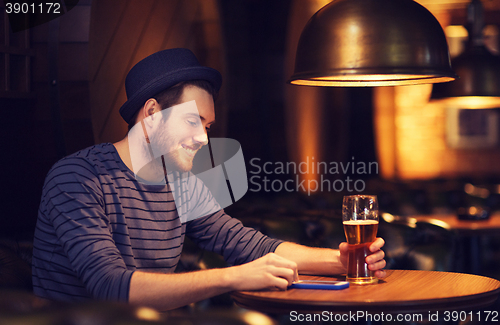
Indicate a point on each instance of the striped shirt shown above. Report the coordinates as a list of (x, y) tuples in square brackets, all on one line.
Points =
[(97, 224)]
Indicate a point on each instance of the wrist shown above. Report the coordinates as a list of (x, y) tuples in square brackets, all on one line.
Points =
[(329, 262), (338, 262), (229, 278)]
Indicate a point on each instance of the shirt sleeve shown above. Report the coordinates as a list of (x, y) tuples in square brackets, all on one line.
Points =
[(228, 237), (75, 207)]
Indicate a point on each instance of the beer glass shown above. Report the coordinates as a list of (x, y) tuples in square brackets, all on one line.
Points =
[(360, 220)]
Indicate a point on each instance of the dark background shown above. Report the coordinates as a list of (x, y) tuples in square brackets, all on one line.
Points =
[(37, 129)]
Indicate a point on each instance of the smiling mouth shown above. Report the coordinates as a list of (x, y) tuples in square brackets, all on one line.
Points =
[(190, 150)]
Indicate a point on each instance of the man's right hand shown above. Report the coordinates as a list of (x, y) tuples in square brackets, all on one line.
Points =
[(269, 271)]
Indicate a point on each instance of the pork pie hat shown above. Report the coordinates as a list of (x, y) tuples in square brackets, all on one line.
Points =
[(160, 71)]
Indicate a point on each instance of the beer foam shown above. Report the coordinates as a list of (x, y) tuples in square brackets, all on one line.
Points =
[(360, 222)]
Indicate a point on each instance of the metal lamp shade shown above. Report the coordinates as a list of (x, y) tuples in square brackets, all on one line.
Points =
[(372, 43), (479, 83)]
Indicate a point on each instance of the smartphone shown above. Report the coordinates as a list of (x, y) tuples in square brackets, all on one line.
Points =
[(319, 284)]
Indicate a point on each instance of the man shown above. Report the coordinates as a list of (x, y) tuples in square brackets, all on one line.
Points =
[(111, 226)]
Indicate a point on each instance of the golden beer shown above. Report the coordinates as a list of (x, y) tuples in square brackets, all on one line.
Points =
[(360, 231), (360, 235)]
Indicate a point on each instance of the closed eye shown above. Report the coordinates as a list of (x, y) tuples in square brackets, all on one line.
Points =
[(192, 123)]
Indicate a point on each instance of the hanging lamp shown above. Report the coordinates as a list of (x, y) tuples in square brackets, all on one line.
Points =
[(372, 43), (479, 69)]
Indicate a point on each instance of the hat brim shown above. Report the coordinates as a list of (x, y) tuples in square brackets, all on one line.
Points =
[(159, 84)]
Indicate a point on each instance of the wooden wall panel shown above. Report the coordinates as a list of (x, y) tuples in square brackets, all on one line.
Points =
[(113, 63), (104, 15)]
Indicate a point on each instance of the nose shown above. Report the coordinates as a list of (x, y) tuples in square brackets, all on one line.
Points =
[(201, 137)]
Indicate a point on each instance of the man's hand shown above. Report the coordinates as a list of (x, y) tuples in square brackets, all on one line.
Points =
[(269, 271), (168, 291), (375, 260)]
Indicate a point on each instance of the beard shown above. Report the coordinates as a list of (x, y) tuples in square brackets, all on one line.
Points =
[(174, 162), (173, 145)]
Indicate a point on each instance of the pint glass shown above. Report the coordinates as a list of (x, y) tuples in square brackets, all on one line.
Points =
[(360, 220)]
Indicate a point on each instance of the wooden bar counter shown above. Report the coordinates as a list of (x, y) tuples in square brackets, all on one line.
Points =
[(400, 291)]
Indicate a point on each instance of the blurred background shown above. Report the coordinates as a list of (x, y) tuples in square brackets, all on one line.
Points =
[(63, 83)]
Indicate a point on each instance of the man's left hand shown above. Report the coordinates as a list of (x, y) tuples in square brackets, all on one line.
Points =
[(375, 260)]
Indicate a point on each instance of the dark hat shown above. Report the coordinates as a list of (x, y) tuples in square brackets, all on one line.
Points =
[(160, 71)]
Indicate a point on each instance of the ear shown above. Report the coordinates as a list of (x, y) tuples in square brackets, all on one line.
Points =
[(151, 106)]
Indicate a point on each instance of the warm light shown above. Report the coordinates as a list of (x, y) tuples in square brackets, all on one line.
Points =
[(439, 223), (308, 135), (441, 5), (456, 35), (376, 80), (456, 31), (410, 222), (252, 317), (383, 101), (476, 191), (375, 77), (468, 188), (149, 314), (388, 217), (472, 102)]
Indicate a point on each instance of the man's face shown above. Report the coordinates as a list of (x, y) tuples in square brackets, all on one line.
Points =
[(184, 131)]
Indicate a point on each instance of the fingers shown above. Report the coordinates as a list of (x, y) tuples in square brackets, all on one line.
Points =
[(284, 274), (344, 247), (283, 269), (377, 265), (377, 245), (376, 260), (269, 271), (278, 282), (375, 257)]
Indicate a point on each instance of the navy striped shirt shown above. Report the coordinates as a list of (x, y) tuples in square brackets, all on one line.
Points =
[(97, 224)]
